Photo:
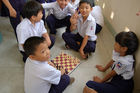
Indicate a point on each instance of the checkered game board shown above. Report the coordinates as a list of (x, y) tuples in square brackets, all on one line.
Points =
[(66, 61)]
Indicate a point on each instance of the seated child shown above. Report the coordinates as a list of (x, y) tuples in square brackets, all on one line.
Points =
[(32, 25), (99, 19), (40, 75), (74, 3), (85, 40), (122, 63), (59, 17)]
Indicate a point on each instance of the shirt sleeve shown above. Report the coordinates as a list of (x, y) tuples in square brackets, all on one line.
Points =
[(43, 29), (120, 68), (21, 34), (90, 31), (48, 5), (71, 9), (53, 75)]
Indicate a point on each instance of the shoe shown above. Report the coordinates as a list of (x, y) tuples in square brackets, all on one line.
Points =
[(72, 79)]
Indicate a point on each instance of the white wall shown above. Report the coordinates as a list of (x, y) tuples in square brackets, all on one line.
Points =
[(124, 16)]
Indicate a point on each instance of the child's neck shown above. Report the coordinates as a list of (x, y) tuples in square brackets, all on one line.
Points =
[(33, 22), (122, 54), (84, 19), (73, 0)]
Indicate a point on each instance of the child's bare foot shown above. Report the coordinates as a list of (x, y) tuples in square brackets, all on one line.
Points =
[(72, 79), (100, 68), (67, 47)]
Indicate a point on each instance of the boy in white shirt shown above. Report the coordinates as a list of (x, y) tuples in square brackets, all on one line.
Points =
[(59, 17), (85, 40), (32, 25), (97, 14), (41, 76)]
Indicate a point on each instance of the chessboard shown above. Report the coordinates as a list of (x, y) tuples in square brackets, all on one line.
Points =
[(67, 62)]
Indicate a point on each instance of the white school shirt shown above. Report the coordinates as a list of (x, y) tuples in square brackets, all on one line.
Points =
[(57, 11), (123, 65), (75, 4), (87, 28), (39, 76), (97, 14), (26, 29)]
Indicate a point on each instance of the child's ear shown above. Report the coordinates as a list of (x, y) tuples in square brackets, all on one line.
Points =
[(33, 17), (31, 56)]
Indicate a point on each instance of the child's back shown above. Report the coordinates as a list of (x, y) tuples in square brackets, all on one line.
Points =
[(41, 76)]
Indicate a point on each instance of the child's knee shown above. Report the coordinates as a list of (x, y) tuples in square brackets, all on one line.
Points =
[(64, 35), (66, 79)]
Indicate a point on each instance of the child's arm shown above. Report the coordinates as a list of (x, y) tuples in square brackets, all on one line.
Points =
[(107, 77), (12, 11), (84, 42), (103, 69), (46, 36), (48, 5)]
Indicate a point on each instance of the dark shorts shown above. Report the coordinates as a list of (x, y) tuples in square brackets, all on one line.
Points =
[(116, 85)]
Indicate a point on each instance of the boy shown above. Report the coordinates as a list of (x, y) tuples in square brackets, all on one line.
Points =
[(32, 25), (41, 76), (59, 17), (85, 40)]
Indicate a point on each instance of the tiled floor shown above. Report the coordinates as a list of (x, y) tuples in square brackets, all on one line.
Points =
[(12, 67)]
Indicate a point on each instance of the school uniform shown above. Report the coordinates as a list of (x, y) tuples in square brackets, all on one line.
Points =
[(59, 18), (26, 29), (123, 81), (18, 6), (86, 28), (40, 77), (97, 14)]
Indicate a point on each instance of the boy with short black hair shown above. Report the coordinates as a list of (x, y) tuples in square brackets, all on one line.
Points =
[(85, 40), (60, 16), (32, 25), (41, 76)]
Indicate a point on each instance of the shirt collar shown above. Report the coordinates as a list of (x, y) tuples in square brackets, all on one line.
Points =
[(89, 18)]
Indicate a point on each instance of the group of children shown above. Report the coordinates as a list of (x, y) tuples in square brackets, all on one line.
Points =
[(41, 76)]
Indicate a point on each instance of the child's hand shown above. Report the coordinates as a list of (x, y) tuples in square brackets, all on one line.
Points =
[(74, 18), (50, 63), (62, 71), (82, 53), (97, 79), (13, 12), (100, 68)]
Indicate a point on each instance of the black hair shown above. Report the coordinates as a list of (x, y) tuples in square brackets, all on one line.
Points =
[(85, 1), (31, 44), (129, 40), (31, 8)]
